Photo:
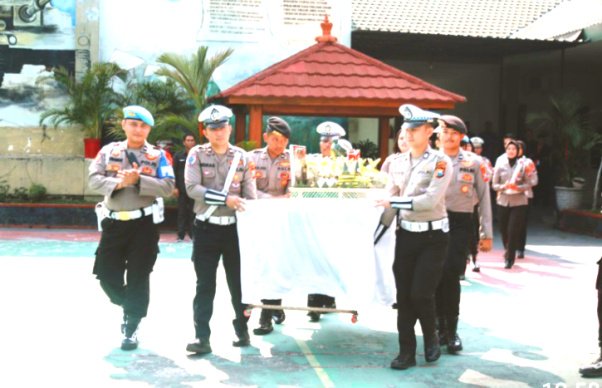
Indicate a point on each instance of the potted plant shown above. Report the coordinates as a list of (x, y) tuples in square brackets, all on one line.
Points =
[(570, 136), (92, 102)]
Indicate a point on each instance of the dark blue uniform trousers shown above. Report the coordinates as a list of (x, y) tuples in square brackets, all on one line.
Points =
[(210, 243)]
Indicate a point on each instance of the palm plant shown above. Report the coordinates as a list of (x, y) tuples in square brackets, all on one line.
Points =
[(193, 74), (163, 98), (567, 127), (92, 99)]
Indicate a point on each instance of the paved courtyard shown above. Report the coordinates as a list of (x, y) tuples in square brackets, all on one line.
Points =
[(534, 325)]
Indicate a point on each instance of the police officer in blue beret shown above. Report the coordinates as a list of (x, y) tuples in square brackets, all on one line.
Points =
[(131, 174), (219, 177)]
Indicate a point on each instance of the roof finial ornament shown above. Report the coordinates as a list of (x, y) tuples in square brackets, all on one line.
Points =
[(326, 28)]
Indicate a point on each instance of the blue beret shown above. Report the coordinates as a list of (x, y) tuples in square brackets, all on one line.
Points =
[(414, 116), (136, 112), (215, 116)]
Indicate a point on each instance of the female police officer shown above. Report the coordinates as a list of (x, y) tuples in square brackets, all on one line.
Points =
[(418, 180)]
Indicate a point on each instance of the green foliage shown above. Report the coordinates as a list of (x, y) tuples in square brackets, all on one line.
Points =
[(165, 100), (368, 149), (36, 192), (567, 129), (92, 100), (193, 75), (247, 145)]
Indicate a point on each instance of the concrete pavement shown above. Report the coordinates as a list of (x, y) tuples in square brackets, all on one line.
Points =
[(534, 325)]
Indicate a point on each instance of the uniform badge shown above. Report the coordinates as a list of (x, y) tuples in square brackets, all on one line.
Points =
[(467, 177), (485, 172), (252, 167), (440, 168), (466, 163), (146, 170), (464, 189), (191, 159), (284, 178), (257, 174), (285, 164), (529, 168), (115, 152), (152, 155)]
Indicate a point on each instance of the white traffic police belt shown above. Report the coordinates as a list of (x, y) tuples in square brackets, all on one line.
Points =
[(415, 226), (215, 220), (131, 215)]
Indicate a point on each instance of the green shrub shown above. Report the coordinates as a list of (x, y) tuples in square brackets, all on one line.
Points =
[(36, 192)]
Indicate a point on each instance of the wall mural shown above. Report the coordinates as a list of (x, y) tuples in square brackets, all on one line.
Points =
[(35, 36)]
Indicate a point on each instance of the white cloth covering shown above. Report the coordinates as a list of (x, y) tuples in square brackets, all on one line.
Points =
[(297, 246)]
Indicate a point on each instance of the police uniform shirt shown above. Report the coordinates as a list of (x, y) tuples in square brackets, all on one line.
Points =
[(417, 186), (387, 163), (207, 170), (156, 175), (525, 179), (468, 187), (272, 176)]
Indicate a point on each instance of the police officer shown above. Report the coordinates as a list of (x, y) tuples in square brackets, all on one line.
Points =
[(477, 144), (595, 368), (185, 203), (512, 178), (130, 174), (529, 165), (468, 183), (330, 132), (218, 177), (272, 176), (417, 184), (401, 146)]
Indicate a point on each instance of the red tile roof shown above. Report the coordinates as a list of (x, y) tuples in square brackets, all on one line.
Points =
[(336, 72)]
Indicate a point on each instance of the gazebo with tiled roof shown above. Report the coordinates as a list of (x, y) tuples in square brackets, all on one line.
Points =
[(329, 79)]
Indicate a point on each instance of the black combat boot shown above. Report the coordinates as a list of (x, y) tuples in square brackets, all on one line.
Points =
[(199, 346), (265, 323), (130, 339), (403, 361), (242, 340), (454, 343), (432, 350), (594, 369)]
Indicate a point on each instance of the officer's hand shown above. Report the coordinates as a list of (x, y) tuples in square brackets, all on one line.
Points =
[(485, 244), (175, 193), (383, 202), (235, 202)]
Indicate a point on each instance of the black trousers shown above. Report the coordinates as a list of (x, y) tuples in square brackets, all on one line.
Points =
[(210, 243), (127, 248), (185, 215), (448, 291), (512, 221), (522, 240), (599, 288), (419, 259), (476, 235)]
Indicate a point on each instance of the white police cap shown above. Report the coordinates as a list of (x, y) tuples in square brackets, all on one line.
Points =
[(215, 116), (414, 116), (136, 112), (477, 141), (330, 129)]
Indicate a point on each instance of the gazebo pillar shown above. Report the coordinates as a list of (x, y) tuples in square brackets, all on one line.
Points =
[(240, 125), (255, 123), (383, 137)]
